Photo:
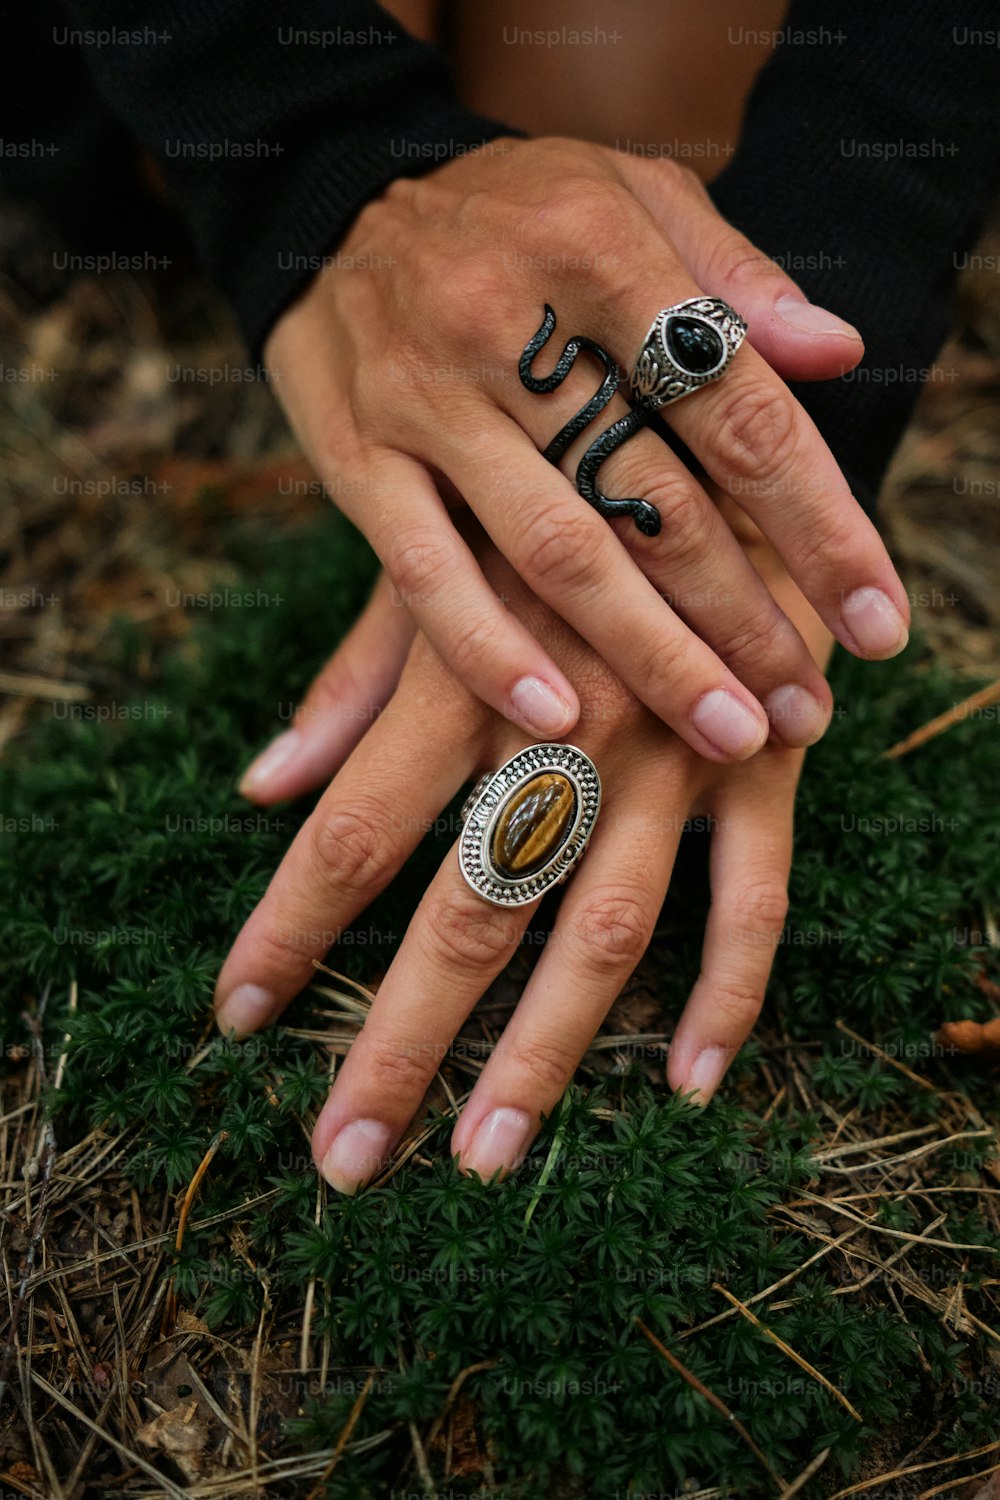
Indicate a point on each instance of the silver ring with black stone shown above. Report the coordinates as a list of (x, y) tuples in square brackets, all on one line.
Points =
[(688, 346), (527, 824)]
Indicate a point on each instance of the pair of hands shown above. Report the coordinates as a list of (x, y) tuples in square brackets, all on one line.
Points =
[(398, 369), (430, 738)]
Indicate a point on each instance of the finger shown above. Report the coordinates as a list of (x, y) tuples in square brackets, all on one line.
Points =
[(800, 340), (759, 445), (574, 561), (751, 856), (345, 853), (347, 695), (436, 577), (697, 564), (456, 943), (603, 928)]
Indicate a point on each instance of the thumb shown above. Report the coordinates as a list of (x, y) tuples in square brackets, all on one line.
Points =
[(340, 706), (798, 338)]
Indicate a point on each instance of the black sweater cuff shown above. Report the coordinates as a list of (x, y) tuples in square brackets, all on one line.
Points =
[(271, 135), (867, 163)]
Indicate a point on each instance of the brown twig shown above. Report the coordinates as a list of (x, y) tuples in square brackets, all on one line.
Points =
[(937, 1463), (953, 715), (170, 1306), (348, 1427), (807, 1473), (802, 1363), (43, 687), (918, 1078), (711, 1398), (453, 1390)]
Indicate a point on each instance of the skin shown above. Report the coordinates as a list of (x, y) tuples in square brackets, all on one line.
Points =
[(447, 445), (666, 77), (432, 736), (397, 369)]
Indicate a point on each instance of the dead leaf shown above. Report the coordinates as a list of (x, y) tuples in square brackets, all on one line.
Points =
[(170, 1379), (187, 1322), (989, 1491), (180, 1434)]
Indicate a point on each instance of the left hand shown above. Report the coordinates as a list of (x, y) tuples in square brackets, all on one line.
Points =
[(432, 737), (397, 368)]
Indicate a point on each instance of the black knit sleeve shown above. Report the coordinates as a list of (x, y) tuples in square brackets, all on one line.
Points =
[(868, 160), (273, 125)]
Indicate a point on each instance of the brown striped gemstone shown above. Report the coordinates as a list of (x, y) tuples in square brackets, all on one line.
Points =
[(533, 825)]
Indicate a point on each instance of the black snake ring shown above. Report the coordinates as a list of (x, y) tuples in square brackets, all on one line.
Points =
[(645, 516)]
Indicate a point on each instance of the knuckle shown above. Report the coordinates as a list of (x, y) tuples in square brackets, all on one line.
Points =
[(557, 550), (614, 928), (662, 668), (590, 223), (582, 206), (830, 547), (734, 258), (544, 1062), (761, 634), (761, 909), (756, 436), (419, 565), (399, 1067), (470, 934), (685, 513), (478, 645), (738, 1001), (338, 443), (685, 519), (684, 178), (396, 367), (353, 849), (336, 685), (467, 315), (283, 946)]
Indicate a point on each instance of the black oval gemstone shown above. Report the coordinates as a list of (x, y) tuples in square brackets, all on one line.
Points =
[(693, 345)]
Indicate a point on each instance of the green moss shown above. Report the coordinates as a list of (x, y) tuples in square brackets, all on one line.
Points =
[(127, 863)]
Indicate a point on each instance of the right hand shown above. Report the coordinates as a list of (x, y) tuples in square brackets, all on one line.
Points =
[(398, 368)]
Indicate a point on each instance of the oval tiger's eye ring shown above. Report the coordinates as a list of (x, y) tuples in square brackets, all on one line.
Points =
[(526, 824), (688, 345)]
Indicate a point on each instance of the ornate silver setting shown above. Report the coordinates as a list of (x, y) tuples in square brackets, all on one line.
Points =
[(657, 377), (485, 805)]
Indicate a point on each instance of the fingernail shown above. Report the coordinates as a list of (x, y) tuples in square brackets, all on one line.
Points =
[(706, 1073), (358, 1150), (498, 1143), (727, 722), (248, 1007), (540, 708), (808, 318), (874, 622), (799, 718), (277, 754)]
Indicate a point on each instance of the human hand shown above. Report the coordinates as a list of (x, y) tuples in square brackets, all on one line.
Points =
[(398, 367), (432, 736)]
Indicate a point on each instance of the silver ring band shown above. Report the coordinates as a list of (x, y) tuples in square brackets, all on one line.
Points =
[(527, 824), (688, 345)]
